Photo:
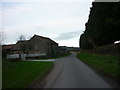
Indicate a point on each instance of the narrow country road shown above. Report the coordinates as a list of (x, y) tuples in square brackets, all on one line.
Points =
[(69, 72)]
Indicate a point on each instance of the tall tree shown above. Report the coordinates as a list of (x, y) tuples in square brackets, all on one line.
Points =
[(103, 26)]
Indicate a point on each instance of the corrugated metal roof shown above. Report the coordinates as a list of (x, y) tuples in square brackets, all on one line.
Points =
[(45, 39), (18, 44), (7, 46)]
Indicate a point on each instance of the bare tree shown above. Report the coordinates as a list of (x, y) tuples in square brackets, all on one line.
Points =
[(2, 37), (0, 47), (29, 37), (21, 38), (25, 46)]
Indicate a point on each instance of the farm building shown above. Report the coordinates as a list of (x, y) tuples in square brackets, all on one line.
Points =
[(37, 46)]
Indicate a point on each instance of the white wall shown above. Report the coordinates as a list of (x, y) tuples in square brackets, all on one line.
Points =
[(23, 56)]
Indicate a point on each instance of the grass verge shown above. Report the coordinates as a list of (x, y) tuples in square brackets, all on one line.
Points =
[(21, 74), (103, 63)]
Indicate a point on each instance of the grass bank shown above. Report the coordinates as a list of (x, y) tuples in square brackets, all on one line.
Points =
[(21, 74), (103, 63)]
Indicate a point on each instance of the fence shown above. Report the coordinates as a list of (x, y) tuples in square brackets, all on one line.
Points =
[(112, 49), (23, 56)]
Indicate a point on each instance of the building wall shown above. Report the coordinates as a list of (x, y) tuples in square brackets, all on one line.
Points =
[(38, 46), (52, 49)]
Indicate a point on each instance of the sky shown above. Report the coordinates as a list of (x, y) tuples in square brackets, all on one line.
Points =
[(62, 21)]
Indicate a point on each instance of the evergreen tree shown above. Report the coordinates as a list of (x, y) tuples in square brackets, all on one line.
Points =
[(103, 25)]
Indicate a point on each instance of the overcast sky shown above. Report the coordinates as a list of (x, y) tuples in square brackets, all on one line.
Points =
[(63, 22)]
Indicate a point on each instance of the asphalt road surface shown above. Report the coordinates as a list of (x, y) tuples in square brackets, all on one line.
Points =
[(69, 72)]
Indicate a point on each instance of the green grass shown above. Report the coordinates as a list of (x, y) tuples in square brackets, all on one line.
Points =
[(55, 57), (105, 63), (21, 74)]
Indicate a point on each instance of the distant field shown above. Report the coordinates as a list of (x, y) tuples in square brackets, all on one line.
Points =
[(55, 57), (104, 63), (21, 74)]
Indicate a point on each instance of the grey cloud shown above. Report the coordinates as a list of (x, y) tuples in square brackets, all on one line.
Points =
[(68, 35)]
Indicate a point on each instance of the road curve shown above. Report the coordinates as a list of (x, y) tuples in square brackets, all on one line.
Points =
[(69, 72)]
